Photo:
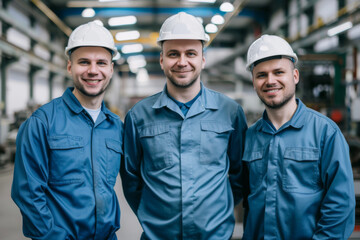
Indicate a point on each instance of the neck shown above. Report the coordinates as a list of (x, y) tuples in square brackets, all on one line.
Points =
[(184, 94), (88, 101), (280, 116)]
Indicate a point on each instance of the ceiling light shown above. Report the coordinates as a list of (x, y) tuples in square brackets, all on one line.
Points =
[(136, 62), (202, 1), (339, 29), (211, 28), (129, 35), (132, 48), (88, 13), (226, 7), (118, 21), (217, 19)]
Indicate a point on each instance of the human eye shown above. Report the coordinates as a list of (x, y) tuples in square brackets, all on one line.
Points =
[(260, 75), (192, 54), (83, 62), (172, 54), (102, 63)]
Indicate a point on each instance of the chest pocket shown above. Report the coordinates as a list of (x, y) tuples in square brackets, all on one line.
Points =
[(113, 159), (156, 143), (66, 159), (301, 170), (214, 142), (257, 167)]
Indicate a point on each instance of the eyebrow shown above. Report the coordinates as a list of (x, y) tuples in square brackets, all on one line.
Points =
[(87, 59), (187, 50)]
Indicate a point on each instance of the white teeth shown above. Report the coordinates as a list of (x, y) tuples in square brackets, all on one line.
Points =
[(275, 90)]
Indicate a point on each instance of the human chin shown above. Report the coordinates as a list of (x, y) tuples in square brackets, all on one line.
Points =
[(90, 92), (181, 83)]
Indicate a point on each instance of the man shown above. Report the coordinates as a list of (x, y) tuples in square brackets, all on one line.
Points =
[(300, 176), (183, 146), (68, 152)]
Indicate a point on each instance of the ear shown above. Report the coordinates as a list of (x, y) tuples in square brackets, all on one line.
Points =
[(112, 68), (203, 62), (68, 67), (161, 60), (296, 76)]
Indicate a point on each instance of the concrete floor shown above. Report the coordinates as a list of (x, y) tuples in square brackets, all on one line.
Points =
[(11, 222)]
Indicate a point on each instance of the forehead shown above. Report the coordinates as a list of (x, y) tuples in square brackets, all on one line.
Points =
[(273, 64), (91, 52), (182, 44)]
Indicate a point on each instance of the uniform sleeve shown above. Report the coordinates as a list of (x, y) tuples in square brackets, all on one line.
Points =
[(30, 182), (235, 152), (130, 168), (337, 213)]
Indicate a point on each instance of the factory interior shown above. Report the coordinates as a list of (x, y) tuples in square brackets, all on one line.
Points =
[(325, 34)]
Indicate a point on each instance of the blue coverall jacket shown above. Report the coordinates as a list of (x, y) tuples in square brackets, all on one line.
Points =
[(65, 170), (181, 173), (301, 181)]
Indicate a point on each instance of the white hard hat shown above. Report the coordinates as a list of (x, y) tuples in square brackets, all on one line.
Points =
[(182, 26), (94, 35), (269, 46)]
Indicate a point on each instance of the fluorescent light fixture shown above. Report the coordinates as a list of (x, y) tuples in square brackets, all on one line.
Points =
[(118, 21), (108, 0), (339, 29), (217, 19), (132, 48), (136, 62), (128, 35), (99, 22), (211, 28), (226, 7), (202, 1), (88, 13)]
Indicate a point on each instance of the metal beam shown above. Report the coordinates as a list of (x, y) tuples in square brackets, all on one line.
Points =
[(14, 51), (238, 6), (315, 35), (7, 18), (53, 17)]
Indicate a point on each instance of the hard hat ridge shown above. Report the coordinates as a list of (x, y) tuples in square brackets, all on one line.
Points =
[(91, 34)]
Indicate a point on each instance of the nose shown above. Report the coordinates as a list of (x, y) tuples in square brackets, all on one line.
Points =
[(93, 68), (271, 78), (182, 60)]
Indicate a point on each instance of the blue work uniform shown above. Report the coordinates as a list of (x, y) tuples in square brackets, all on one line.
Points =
[(300, 178), (180, 173), (65, 170)]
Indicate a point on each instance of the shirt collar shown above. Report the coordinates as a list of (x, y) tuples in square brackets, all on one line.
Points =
[(73, 103), (297, 120), (205, 97)]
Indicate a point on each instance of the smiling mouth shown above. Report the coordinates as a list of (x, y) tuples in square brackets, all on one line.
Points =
[(91, 80), (272, 90), (182, 71)]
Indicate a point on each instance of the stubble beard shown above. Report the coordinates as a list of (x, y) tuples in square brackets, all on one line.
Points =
[(184, 84), (81, 89), (277, 105)]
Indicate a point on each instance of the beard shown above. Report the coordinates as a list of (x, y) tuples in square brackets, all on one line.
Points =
[(180, 84), (276, 105), (81, 89)]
